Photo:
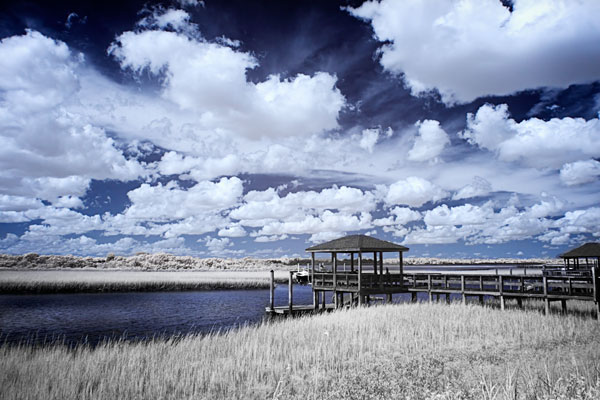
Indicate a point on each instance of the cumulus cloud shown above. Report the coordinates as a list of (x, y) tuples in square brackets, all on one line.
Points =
[(412, 191), (580, 172), (533, 142), (369, 139), (430, 141), (479, 187), (473, 48), (210, 79), (46, 149), (168, 202)]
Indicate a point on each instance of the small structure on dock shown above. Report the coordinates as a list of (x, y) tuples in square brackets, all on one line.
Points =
[(359, 282), (582, 258)]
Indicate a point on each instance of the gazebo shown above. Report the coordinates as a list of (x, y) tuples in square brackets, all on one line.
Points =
[(358, 282), (583, 257)]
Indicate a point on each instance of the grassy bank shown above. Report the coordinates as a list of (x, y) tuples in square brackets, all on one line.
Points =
[(416, 351), (21, 282)]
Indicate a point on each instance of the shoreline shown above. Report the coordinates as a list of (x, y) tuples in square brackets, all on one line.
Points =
[(169, 262), (15, 282)]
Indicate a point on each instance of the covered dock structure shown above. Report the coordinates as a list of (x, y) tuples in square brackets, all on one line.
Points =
[(582, 259), (359, 282)]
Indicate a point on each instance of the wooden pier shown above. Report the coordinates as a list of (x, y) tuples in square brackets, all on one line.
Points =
[(357, 287)]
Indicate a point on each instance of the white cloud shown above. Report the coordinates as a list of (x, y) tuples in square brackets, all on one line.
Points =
[(580, 172), (369, 139), (430, 141), (47, 150), (269, 205), (18, 203), (533, 142), (479, 187), (215, 245), (413, 191), (169, 202), (472, 48), (233, 231), (210, 80), (171, 18)]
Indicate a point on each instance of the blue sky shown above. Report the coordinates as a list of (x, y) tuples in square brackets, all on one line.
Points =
[(233, 128)]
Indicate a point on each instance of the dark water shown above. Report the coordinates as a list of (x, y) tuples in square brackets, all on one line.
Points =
[(92, 318)]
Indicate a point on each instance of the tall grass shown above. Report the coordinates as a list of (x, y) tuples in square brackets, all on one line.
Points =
[(416, 351), (120, 281)]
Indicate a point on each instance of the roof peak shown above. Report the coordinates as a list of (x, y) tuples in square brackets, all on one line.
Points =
[(355, 243)]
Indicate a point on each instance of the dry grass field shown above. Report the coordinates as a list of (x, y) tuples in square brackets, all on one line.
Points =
[(70, 281), (409, 351)]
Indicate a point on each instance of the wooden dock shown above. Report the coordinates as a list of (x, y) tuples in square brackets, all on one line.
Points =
[(504, 287)]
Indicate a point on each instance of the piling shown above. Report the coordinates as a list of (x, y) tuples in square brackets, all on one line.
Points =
[(272, 292), (291, 292)]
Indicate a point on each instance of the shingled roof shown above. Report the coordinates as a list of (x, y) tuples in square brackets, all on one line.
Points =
[(587, 250), (356, 243)]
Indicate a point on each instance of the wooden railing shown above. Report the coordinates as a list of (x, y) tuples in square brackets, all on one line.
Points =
[(349, 280), (517, 286), (507, 285)]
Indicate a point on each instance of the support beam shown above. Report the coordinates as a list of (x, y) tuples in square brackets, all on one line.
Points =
[(563, 304), (360, 272), (462, 289), (501, 290), (381, 263), (334, 260), (375, 262), (351, 262), (272, 292), (291, 293), (546, 299), (429, 288), (413, 297)]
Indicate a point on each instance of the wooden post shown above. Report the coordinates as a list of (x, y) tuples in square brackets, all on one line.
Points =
[(401, 263), (381, 263), (501, 290), (520, 302), (272, 292), (389, 298), (351, 262), (546, 299), (429, 288), (462, 288), (563, 304), (447, 298), (413, 297), (360, 271), (291, 292), (596, 285), (323, 299), (375, 263), (312, 280), (334, 259)]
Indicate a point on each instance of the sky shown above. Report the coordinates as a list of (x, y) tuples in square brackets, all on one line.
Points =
[(458, 128)]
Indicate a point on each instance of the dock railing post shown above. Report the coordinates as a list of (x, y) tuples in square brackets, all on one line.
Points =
[(546, 299), (291, 292), (596, 286), (501, 290), (360, 271), (429, 288), (272, 292), (462, 288)]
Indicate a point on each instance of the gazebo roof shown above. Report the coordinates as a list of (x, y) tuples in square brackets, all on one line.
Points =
[(356, 243), (587, 250)]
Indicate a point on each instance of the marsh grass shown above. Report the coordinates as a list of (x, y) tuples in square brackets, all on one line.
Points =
[(36, 282), (416, 351)]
